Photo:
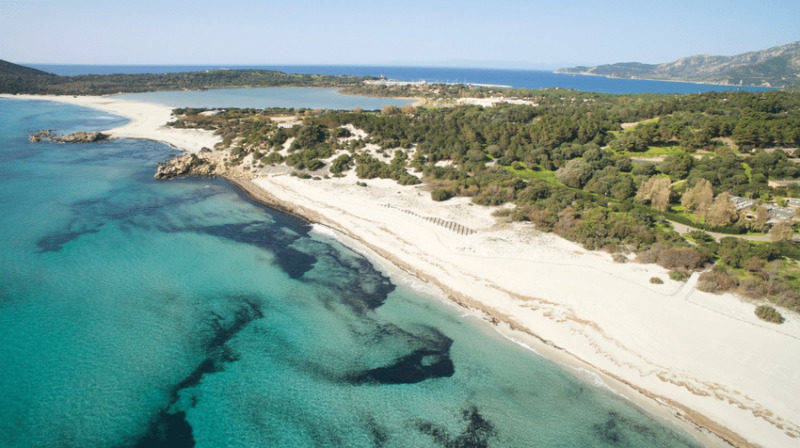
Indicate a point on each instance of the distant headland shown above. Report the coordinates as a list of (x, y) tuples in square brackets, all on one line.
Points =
[(774, 67)]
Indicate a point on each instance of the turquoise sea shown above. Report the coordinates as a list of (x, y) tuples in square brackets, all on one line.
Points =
[(140, 313)]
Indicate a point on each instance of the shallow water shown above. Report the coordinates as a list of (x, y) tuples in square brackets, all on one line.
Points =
[(175, 314), (259, 98)]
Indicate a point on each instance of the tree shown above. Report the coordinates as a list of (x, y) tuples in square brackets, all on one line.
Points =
[(782, 231), (390, 110), (699, 197), (623, 188), (476, 155), (575, 173), (628, 142), (677, 166), (656, 191), (756, 220), (722, 211)]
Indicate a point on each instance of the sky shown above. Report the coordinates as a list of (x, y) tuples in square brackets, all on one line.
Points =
[(501, 34)]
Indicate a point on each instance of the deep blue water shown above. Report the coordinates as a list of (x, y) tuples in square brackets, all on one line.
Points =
[(140, 313), (531, 79)]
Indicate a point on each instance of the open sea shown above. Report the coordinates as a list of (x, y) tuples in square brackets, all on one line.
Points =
[(142, 313), (529, 79)]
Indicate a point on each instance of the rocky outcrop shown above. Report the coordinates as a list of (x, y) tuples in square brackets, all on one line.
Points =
[(49, 135), (83, 137), (43, 135), (185, 165)]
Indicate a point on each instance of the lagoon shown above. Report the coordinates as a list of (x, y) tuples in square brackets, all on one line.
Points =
[(260, 98)]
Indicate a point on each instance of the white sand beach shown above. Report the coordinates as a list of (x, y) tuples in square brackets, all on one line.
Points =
[(703, 359)]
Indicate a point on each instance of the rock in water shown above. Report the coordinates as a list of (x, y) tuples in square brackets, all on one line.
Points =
[(83, 137), (43, 135), (185, 165), (49, 135)]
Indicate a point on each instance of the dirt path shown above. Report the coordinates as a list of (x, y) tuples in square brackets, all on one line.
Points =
[(684, 229)]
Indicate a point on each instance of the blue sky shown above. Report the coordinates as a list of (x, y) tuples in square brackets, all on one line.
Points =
[(521, 34)]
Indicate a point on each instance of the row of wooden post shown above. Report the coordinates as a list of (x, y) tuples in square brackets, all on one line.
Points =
[(449, 225)]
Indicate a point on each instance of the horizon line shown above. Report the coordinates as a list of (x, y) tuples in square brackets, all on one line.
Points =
[(222, 65)]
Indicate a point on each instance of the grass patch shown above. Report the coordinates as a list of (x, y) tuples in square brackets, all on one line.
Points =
[(648, 121), (685, 216), (519, 170), (657, 151), (790, 271), (678, 214), (748, 172)]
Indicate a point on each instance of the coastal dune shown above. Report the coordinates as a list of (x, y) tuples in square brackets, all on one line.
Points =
[(701, 359)]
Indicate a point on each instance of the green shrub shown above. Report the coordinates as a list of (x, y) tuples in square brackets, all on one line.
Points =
[(656, 281), (314, 164), (756, 287), (769, 314), (687, 258), (342, 133), (440, 194), (408, 179), (678, 276), (715, 281), (341, 163)]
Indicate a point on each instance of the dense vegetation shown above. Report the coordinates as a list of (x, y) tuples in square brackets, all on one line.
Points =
[(568, 166), (18, 79)]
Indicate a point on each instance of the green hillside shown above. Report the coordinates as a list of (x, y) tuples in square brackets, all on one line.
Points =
[(16, 78)]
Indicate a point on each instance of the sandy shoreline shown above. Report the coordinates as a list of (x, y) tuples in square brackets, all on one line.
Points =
[(275, 194), (147, 120), (696, 358)]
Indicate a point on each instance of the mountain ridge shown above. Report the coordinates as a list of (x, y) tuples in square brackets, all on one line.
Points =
[(777, 66)]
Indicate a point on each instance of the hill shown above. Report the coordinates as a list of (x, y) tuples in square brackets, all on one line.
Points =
[(773, 67), (16, 78)]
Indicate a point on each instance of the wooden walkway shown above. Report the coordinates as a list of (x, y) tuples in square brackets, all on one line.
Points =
[(449, 225)]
